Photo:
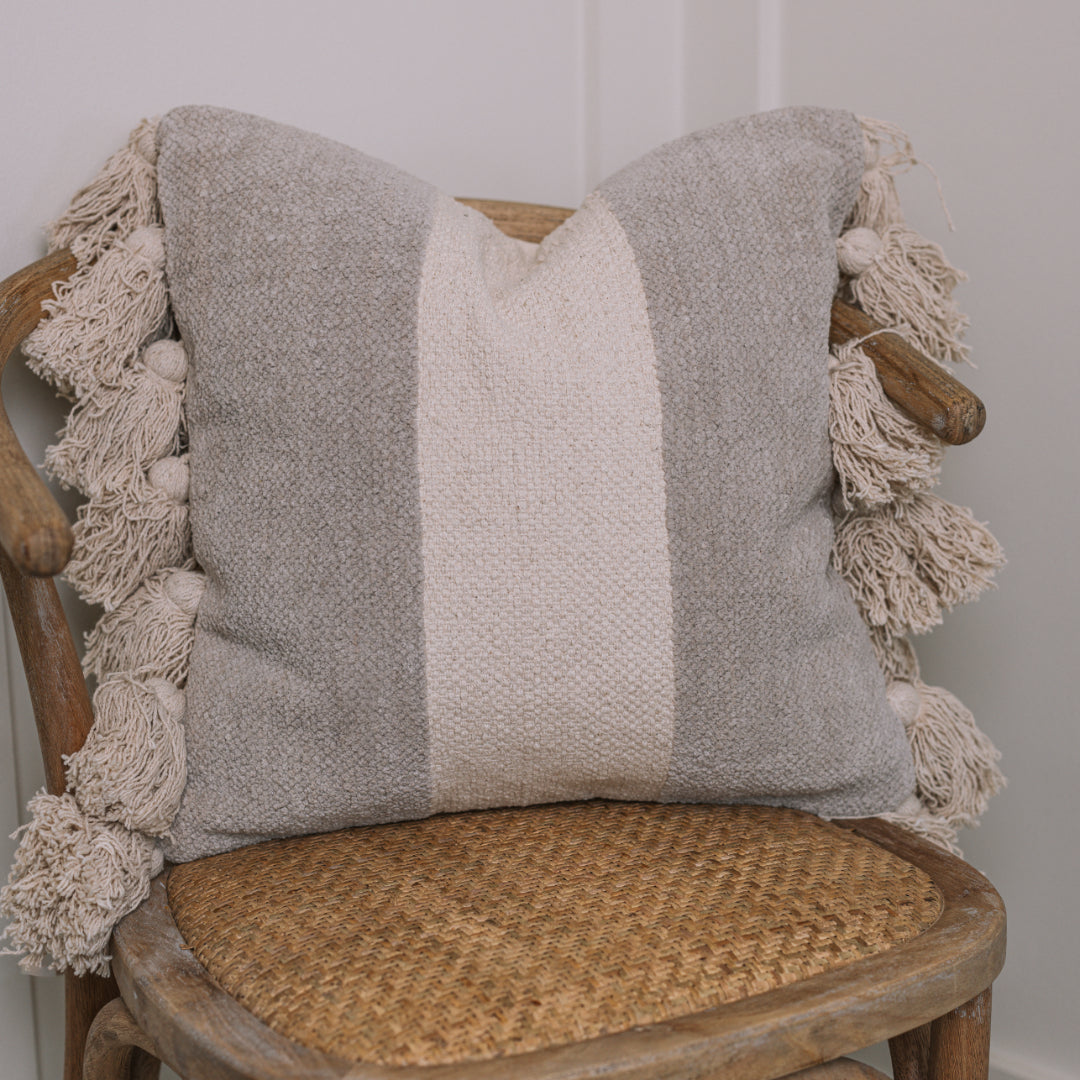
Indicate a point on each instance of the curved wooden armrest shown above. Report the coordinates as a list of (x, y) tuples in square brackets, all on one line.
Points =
[(33, 529), (922, 388)]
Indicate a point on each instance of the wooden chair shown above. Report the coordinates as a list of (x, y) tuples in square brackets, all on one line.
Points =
[(835, 936)]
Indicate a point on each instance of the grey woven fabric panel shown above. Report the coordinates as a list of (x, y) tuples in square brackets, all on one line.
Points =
[(390, 402), (293, 265), (778, 696)]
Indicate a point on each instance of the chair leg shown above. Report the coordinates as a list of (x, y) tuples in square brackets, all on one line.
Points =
[(117, 1048), (84, 998), (910, 1054), (960, 1042)]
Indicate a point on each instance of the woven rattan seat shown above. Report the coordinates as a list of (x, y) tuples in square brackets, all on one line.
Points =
[(475, 935)]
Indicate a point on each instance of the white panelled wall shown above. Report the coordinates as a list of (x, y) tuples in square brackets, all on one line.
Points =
[(538, 101)]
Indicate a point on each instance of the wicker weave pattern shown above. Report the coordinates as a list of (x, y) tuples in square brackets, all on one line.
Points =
[(498, 932)]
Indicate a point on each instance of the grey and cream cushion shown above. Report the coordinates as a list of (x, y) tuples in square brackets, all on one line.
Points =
[(487, 527)]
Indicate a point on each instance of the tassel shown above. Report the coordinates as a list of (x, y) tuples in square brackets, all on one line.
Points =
[(101, 316), (906, 561), (151, 633), (895, 655), (954, 553), (131, 769), (879, 453), (121, 430), (873, 555), (120, 199), (877, 206), (898, 277), (73, 880), (122, 537), (956, 770), (913, 816)]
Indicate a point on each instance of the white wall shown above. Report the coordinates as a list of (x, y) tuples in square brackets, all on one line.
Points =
[(539, 100)]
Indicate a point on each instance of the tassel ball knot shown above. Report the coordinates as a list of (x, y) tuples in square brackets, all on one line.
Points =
[(172, 476), (148, 242), (172, 698), (168, 359), (185, 589), (905, 700), (856, 251)]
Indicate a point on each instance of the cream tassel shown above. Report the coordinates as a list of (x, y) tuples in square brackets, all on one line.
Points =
[(101, 316), (916, 818), (906, 561), (899, 277), (873, 555), (895, 655), (119, 431), (120, 199), (131, 769), (73, 879), (954, 553), (151, 633), (956, 770), (877, 205), (122, 537), (879, 453)]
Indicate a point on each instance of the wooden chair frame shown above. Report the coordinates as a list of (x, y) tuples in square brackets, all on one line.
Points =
[(930, 996)]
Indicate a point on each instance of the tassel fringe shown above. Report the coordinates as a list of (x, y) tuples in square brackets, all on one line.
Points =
[(906, 554), (908, 560), (887, 152), (132, 767), (120, 431), (957, 555), (87, 857), (879, 453), (907, 280), (877, 206), (916, 818), (120, 199), (871, 554), (956, 770), (101, 316), (122, 537), (151, 633), (74, 878), (895, 655)]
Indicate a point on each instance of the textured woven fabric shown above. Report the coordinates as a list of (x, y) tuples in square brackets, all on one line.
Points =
[(470, 936), (484, 527)]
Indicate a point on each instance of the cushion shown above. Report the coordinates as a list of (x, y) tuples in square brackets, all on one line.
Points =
[(391, 515), (485, 527)]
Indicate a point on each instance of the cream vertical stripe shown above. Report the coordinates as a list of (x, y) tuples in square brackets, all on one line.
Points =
[(547, 583)]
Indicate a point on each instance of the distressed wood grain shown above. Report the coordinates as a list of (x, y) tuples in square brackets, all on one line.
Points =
[(910, 1053), (117, 1048), (34, 531), (960, 1041), (921, 387)]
